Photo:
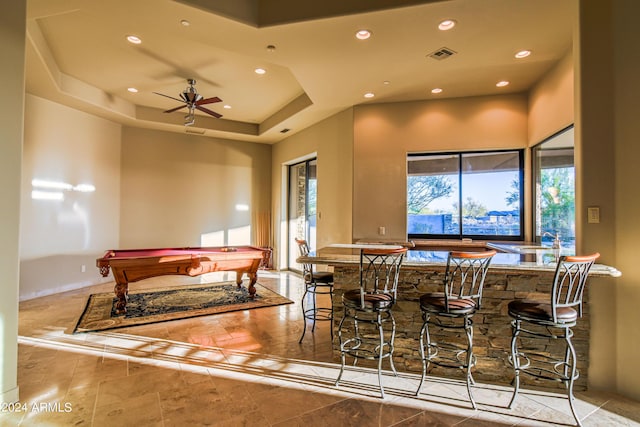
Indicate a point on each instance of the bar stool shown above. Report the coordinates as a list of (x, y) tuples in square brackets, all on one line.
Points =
[(371, 304), (453, 309), (554, 319), (315, 283)]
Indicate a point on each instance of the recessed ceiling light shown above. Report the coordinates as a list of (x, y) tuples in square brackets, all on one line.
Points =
[(523, 54), (436, 90), (227, 107), (447, 24), (502, 83), (134, 39), (386, 82), (363, 34), (132, 89), (260, 71), (185, 23), (369, 95)]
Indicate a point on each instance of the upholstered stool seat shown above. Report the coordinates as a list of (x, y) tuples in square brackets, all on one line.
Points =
[(550, 318), (325, 277), (436, 302), (353, 299), (541, 311)]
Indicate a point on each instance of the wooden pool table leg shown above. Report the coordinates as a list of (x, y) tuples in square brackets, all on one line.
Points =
[(253, 277), (122, 293)]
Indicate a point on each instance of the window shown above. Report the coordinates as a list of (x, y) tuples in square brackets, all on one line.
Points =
[(302, 206), (465, 195), (554, 194)]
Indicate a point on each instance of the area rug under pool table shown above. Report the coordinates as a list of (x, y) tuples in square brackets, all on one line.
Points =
[(178, 302)]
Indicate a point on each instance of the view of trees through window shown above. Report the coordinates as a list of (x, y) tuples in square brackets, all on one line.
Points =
[(459, 195), (554, 175)]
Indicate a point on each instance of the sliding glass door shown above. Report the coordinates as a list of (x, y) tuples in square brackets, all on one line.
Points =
[(302, 207)]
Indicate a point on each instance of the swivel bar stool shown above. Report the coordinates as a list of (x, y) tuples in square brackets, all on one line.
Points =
[(453, 309), (552, 318), (315, 283), (371, 303)]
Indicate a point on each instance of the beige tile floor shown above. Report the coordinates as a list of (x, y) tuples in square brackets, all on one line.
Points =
[(243, 368)]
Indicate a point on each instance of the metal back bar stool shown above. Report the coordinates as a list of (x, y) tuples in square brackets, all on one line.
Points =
[(555, 317), (453, 309), (315, 283), (371, 303)]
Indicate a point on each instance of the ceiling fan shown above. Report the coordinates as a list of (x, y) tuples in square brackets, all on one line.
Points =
[(193, 101)]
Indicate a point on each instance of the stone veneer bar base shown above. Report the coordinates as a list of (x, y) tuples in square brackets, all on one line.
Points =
[(492, 324)]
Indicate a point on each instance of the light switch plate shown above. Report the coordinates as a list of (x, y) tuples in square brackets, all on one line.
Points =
[(593, 215)]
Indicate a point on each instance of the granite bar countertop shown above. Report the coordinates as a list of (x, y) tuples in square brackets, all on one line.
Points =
[(539, 259)]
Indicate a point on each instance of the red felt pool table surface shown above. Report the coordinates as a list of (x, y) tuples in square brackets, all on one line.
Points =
[(131, 265)]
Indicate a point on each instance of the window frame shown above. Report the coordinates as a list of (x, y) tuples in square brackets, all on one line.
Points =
[(460, 235), (535, 176)]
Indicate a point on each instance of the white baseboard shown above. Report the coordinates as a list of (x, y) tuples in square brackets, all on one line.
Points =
[(10, 396), (65, 288)]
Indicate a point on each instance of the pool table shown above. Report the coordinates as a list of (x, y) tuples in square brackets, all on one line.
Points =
[(131, 265)]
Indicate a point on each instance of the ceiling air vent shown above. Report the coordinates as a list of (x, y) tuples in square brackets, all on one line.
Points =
[(285, 130), (442, 53)]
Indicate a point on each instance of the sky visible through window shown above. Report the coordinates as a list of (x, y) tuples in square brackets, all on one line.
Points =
[(491, 189)]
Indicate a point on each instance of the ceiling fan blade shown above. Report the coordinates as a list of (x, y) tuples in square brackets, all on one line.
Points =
[(175, 109), (206, 110), (208, 100), (170, 97)]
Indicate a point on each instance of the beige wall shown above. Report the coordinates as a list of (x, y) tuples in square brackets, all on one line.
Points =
[(12, 45), (385, 133), (625, 143), (64, 145), (551, 101), (182, 190), (331, 141), (595, 181)]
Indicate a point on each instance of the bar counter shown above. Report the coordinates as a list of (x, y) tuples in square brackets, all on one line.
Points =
[(526, 273)]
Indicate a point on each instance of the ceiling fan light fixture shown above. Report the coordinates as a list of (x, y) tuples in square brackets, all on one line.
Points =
[(192, 100)]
